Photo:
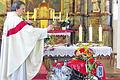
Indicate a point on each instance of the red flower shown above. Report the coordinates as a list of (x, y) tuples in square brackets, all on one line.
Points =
[(58, 64), (91, 60), (82, 50), (93, 72)]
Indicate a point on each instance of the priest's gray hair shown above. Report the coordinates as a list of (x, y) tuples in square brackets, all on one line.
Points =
[(16, 5)]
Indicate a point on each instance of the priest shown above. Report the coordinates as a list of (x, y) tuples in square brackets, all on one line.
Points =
[(22, 46)]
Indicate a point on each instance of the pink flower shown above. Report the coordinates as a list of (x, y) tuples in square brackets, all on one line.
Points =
[(90, 50)]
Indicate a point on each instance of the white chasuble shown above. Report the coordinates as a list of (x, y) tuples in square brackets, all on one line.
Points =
[(22, 48)]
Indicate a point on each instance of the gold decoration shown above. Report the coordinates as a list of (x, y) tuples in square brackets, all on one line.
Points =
[(86, 7), (43, 14), (43, 10), (95, 6)]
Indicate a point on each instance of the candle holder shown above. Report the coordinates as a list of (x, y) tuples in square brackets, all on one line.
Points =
[(90, 43), (79, 43), (100, 43)]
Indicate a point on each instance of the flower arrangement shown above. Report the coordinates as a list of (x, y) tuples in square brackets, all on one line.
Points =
[(83, 53), (86, 55)]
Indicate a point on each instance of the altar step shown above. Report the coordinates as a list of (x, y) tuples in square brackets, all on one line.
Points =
[(111, 74), (43, 77)]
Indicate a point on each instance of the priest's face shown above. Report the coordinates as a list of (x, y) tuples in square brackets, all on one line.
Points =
[(21, 10)]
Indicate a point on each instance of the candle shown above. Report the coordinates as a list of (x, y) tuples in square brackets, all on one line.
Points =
[(60, 15), (100, 33), (53, 14), (35, 14), (66, 15), (27, 15), (90, 33), (80, 33)]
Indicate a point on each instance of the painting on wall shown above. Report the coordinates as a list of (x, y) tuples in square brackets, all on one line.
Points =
[(31, 4)]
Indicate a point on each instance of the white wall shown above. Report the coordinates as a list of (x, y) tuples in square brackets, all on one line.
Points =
[(118, 37)]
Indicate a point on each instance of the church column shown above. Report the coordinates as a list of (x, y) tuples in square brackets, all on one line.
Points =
[(116, 32), (115, 25)]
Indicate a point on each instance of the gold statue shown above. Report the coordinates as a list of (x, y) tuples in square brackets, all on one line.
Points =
[(43, 14), (95, 6)]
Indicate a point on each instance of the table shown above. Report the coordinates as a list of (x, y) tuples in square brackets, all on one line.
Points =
[(64, 51), (66, 33), (60, 32)]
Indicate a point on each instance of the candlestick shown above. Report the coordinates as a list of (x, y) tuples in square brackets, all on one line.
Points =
[(53, 14), (35, 14), (60, 15), (90, 33), (27, 15), (80, 33), (100, 33)]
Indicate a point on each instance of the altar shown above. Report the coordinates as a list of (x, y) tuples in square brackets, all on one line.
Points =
[(65, 53)]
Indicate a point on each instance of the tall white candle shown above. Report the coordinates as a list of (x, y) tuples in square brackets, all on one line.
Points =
[(80, 33), (60, 15), (35, 14), (100, 33), (90, 33), (27, 15), (67, 15)]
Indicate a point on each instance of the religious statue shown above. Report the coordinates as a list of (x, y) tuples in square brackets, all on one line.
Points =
[(95, 5)]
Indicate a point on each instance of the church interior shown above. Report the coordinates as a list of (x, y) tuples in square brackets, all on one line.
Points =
[(77, 25)]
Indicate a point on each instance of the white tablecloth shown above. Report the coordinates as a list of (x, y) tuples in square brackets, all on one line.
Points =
[(64, 51), (56, 34)]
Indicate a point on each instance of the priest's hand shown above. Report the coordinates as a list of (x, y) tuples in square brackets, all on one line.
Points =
[(29, 22)]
